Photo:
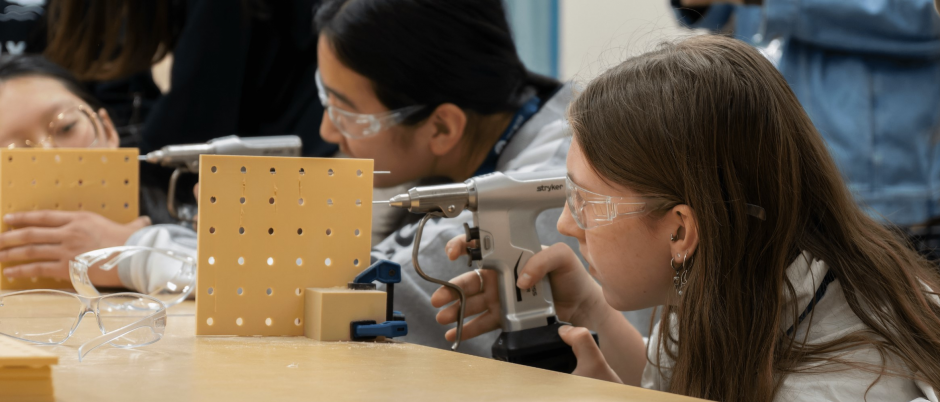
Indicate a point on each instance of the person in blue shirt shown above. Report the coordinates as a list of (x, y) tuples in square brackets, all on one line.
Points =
[(868, 74)]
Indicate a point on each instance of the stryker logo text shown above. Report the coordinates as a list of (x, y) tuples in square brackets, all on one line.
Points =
[(549, 188)]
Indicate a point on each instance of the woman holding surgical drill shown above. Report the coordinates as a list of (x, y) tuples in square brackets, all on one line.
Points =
[(696, 182), (435, 90)]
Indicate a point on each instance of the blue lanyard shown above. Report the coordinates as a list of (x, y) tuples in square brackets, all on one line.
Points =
[(523, 115), (820, 292)]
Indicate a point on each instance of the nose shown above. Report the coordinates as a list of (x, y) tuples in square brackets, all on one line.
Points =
[(329, 132), (567, 226)]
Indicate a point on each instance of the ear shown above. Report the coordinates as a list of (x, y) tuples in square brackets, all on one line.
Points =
[(449, 123), (110, 134), (685, 225)]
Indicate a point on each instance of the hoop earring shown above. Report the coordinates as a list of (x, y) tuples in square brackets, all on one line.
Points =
[(673, 238)]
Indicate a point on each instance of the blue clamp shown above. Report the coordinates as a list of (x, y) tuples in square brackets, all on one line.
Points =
[(389, 273), (368, 330), (383, 271)]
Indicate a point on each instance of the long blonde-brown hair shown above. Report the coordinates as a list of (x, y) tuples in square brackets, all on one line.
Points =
[(710, 123)]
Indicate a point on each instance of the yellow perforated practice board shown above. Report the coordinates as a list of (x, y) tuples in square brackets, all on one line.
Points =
[(104, 181), (270, 227)]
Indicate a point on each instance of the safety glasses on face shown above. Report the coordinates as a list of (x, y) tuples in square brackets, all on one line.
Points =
[(50, 317), (356, 125), (175, 283), (73, 127), (591, 210)]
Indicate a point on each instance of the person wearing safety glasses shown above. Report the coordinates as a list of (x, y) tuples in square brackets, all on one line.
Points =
[(698, 184), (44, 106), (435, 90)]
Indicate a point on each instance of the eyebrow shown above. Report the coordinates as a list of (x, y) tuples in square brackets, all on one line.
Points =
[(339, 96)]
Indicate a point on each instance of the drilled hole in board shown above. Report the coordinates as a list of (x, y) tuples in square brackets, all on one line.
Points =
[(329, 232), (34, 182), (357, 232), (300, 261), (270, 261), (300, 231), (267, 321), (80, 182), (33, 158), (269, 291), (297, 322), (241, 230), (241, 260), (209, 322), (56, 182), (244, 169), (214, 169), (126, 205), (240, 291), (127, 159), (104, 182), (80, 205), (239, 321), (211, 291), (211, 229), (302, 171), (103, 206), (298, 291), (356, 262), (328, 262), (57, 205), (273, 171), (329, 202), (241, 200), (329, 172), (358, 203), (271, 200), (270, 231), (211, 260), (300, 201), (212, 200), (126, 182), (358, 172)]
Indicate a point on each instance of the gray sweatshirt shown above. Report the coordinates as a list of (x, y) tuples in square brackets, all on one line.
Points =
[(540, 144)]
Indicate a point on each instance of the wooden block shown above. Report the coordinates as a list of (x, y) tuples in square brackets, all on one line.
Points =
[(104, 181), (270, 227), (25, 373), (18, 353), (328, 312), (14, 390)]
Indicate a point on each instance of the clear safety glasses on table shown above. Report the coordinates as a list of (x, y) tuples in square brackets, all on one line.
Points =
[(50, 317), (171, 276), (357, 125)]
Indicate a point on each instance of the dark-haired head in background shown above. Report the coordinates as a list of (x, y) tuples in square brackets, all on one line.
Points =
[(455, 58)]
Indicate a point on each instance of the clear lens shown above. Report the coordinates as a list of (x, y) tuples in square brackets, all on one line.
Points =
[(38, 316), (73, 128), (120, 310)]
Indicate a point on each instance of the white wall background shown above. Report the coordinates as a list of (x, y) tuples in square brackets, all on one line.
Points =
[(595, 35)]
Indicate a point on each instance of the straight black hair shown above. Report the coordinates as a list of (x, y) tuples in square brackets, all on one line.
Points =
[(431, 52), (29, 65)]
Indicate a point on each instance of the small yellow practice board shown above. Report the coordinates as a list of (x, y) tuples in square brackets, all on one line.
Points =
[(104, 181)]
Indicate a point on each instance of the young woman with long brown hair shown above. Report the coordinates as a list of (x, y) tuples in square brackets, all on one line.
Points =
[(698, 183)]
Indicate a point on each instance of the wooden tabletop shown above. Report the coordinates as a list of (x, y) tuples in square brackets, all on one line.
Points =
[(183, 367)]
